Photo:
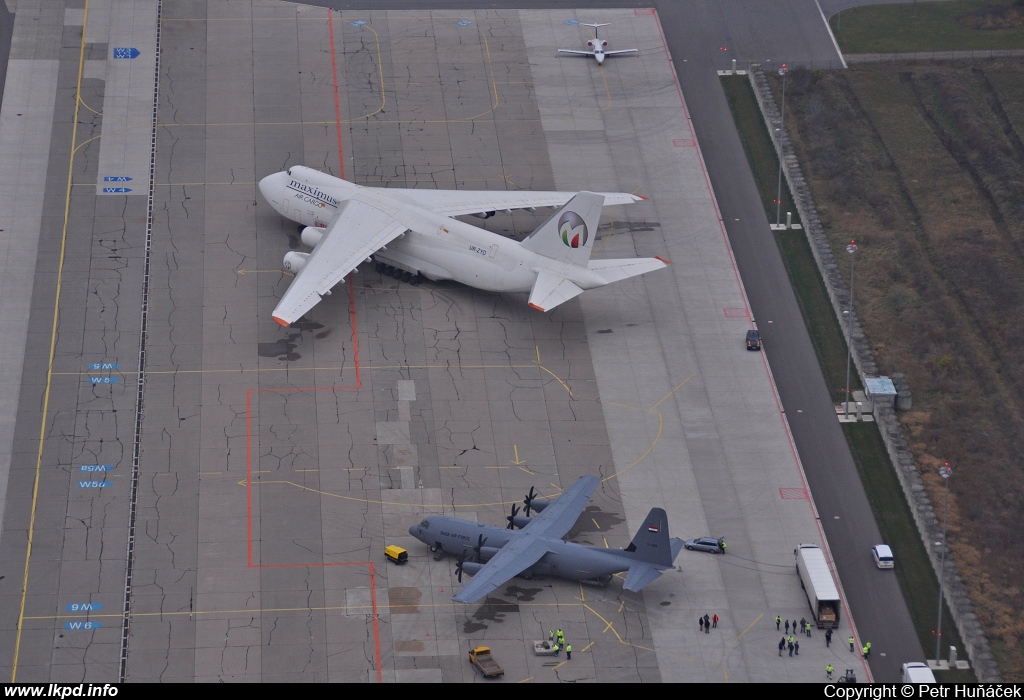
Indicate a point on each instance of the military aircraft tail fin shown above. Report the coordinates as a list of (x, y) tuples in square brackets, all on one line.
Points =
[(568, 236), (652, 543)]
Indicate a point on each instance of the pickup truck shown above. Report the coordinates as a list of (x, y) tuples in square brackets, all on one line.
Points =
[(485, 663)]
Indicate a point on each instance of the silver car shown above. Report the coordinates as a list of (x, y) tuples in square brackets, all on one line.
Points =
[(715, 545)]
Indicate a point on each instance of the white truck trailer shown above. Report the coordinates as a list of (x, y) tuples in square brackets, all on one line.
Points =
[(819, 585)]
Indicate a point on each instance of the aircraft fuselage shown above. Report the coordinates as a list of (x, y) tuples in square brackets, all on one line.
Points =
[(568, 560)]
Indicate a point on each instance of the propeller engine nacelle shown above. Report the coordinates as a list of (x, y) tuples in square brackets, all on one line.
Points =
[(311, 235), (471, 567), (295, 261), (518, 521), (486, 553)]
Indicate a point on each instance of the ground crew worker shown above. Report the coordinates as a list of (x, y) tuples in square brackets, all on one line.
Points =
[(808, 629), (868, 645), (828, 671), (568, 652), (723, 546), (551, 636), (561, 638), (778, 621), (782, 645), (787, 626), (865, 650), (828, 637), (790, 644), (714, 621), (850, 640), (796, 644), (556, 648)]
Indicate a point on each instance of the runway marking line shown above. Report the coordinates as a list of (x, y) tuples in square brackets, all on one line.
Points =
[(53, 346)]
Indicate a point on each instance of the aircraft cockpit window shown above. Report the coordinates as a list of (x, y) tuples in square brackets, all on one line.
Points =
[(289, 172), (425, 524)]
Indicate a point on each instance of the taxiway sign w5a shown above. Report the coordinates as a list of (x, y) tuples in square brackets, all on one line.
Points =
[(597, 46), (412, 230), (500, 554)]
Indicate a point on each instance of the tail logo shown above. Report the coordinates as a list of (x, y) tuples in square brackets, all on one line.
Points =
[(573, 230)]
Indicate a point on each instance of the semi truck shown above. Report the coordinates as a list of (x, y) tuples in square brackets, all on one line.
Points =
[(818, 584)]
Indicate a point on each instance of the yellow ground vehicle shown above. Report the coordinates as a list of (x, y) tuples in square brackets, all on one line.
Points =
[(485, 663), (396, 554)]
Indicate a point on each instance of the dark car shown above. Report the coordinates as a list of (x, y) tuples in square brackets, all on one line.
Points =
[(715, 545), (753, 340)]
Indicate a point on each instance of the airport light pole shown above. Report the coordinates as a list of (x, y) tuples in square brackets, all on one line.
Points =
[(851, 249), (782, 130), (945, 472)]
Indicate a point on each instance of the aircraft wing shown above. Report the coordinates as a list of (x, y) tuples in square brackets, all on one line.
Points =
[(532, 542), (578, 53), (555, 520), (511, 560), (460, 202), (612, 53), (357, 231)]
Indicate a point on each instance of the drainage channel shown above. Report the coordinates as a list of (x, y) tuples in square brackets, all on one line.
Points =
[(140, 392)]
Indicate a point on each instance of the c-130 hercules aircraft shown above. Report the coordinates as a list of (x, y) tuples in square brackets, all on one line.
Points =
[(412, 231), (537, 548)]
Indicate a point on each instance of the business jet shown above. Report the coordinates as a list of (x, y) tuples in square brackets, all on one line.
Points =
[(501, 554), (597, 46), (413, 232)]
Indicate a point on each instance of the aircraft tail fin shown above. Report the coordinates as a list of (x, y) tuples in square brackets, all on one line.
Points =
[(652, 543), (595, 26), (568, 236)]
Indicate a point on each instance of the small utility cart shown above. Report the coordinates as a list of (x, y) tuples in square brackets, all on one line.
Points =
[(396, 554)]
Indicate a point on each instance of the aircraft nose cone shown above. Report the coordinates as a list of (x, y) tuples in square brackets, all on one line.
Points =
[(412, 531), (268, 187)]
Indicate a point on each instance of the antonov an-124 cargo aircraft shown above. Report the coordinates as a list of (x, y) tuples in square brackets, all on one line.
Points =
[(413, 231)]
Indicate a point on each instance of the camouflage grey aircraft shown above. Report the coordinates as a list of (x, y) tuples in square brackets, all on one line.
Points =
[(501, 554)]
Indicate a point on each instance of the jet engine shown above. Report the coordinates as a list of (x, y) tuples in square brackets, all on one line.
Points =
[(295, 261), (311, 235)]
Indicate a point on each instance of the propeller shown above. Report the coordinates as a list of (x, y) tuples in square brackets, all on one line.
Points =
[(481, 540), (533, 503), (458, 565), (528, 501), (511, 519)]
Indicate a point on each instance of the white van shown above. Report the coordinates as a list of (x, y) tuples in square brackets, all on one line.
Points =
[(917, 672), (883, 556)]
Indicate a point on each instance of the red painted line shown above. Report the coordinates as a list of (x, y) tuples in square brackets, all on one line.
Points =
[(248, 470), (743, 291), (337, 101)]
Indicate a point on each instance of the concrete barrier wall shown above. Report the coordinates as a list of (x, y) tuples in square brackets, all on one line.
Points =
[(929, 525)]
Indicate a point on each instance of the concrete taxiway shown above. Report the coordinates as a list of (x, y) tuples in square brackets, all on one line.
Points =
[(197, 494)]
